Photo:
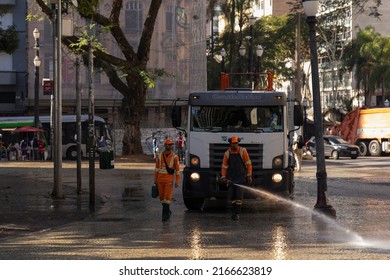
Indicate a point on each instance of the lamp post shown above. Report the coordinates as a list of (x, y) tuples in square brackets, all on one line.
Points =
[(252, 21), (242, 52), (37, 64), (223, 54), (259, 54), (304, 104), (311, 9), (56, 6)]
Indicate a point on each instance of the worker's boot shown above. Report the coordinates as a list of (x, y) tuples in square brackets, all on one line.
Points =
[(166, 212), (236, 210)]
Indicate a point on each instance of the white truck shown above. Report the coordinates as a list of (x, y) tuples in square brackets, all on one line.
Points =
[(258, 118)]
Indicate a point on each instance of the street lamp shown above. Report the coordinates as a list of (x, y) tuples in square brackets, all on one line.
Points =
[(37, 64), (252, 21), (242, 52), (304, 104), (223, 54), (259, 54), (311, 9)]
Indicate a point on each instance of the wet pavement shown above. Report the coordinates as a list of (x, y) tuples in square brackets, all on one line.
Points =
[(126, 223), (27, 204)]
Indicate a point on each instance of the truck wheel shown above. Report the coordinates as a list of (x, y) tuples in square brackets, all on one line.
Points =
[(193, 203), (335, 154), (363, 150), (375, 148)]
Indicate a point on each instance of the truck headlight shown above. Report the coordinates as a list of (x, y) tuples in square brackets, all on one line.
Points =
[(195, 177), (277, 178)]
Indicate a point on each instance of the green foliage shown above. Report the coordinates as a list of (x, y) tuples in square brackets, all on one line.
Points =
[(9, 41), (370, 54), (151, 76), (277, 37), (87, 7), (86, 35)]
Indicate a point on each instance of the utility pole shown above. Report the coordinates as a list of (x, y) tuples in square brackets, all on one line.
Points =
[(57, 27), (78, 121), (91, 129)]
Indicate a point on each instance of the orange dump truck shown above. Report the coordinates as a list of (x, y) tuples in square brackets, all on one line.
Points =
[(369, 129)]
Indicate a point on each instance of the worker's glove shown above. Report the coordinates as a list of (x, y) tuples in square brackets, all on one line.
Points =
[(225, 181), (249, 180)]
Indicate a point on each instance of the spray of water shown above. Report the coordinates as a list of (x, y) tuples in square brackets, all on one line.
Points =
[(355, 238)]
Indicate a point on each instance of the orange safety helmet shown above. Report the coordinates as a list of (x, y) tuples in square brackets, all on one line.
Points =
[(168, 141), (234, 139)]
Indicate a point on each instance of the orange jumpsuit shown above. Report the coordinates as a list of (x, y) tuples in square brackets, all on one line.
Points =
[(236, 166), (165, 181), (245, 158)]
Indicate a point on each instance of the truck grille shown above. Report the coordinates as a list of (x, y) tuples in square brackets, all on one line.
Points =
[(255, 152)]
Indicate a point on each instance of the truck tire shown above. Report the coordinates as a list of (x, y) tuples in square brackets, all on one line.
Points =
[(375, 148), (193, 203), (363, 150)]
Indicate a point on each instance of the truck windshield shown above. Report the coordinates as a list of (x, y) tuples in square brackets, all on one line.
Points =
[(239, 119)]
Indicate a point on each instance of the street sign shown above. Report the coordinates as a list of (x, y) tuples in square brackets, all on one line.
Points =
[(47, 86)]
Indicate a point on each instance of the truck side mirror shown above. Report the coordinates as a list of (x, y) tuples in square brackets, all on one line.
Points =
[(176, 116), (298, 115)]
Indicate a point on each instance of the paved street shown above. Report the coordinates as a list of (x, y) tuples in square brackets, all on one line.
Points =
[(127, 221)]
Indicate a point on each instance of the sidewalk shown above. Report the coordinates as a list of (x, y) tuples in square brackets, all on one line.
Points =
[(26, 204)]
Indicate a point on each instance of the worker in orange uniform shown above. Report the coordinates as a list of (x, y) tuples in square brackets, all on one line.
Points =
[(167, 175), (236, 169)]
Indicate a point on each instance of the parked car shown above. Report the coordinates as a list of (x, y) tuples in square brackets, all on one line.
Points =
[(334, 147)]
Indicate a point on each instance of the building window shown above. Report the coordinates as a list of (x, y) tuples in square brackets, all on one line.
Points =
[(169, 19), (133, 15)]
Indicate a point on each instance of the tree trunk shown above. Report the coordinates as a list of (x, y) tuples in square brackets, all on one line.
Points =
[(131, 113)]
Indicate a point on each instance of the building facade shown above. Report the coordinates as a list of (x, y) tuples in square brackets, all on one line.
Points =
[(13, 68), (178, 47)]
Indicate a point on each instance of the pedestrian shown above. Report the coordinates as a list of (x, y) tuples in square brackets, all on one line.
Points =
[(236, 169), (298, 152), (41, 149), (154, 146), (180, 143), (1, 146), (167, 176)]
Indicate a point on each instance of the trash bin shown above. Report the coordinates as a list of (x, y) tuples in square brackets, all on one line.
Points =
[(106, 159)]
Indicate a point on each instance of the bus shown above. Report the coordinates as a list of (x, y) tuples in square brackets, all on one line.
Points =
[(69, 131)]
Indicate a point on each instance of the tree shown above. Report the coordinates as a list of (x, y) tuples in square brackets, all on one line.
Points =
[(334, 30), (127, 73), (369, 54), (9, 41), (275, 34)]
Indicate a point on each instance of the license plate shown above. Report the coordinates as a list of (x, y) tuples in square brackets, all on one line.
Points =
[(353, 152)]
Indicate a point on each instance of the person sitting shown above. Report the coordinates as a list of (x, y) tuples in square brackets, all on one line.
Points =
[(102, 142), (26, 149), (11, 151), (18, 151)]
